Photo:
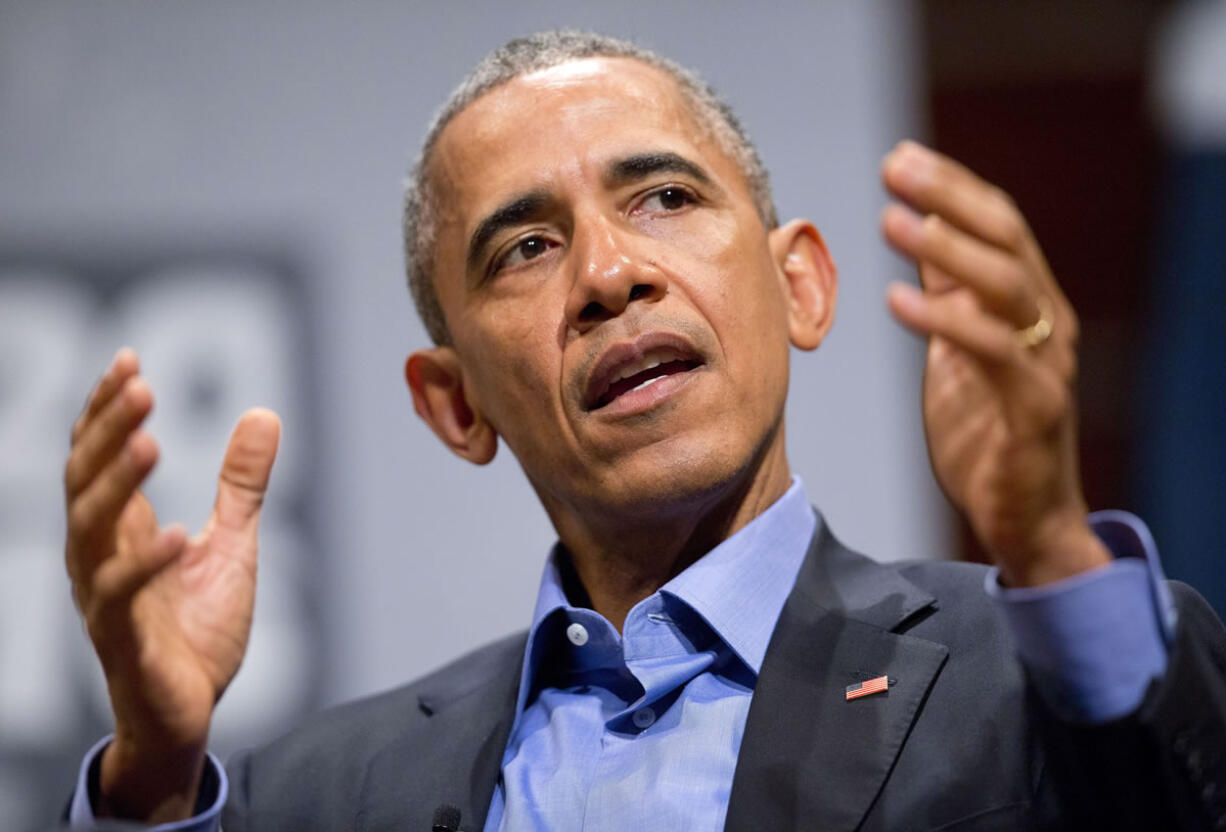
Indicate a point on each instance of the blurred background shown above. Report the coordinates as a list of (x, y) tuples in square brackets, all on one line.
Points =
[(218, 185)]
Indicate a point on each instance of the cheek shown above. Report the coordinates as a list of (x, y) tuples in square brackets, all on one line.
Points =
[(748, 312), (731, 280), (515, 374)]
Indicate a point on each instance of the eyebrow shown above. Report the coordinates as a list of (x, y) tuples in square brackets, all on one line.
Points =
[(512, 212), (641, 165)]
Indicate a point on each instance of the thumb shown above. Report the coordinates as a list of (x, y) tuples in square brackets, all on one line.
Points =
[(246, 468)]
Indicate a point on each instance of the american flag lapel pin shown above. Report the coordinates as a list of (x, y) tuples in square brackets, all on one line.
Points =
[(868, 687)]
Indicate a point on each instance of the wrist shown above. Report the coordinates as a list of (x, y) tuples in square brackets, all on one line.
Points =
[(1062, 550), (150, 785)]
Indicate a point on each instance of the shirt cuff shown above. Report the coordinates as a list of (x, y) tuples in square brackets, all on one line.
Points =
[(1093, 642), (213, 790)]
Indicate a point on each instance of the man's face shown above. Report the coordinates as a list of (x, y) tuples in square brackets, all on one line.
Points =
[(609, 288)]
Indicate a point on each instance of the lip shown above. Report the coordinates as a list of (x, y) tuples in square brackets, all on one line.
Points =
[(668, 346)]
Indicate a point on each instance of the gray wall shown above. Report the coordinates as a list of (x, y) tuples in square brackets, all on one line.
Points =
[(219, 184)]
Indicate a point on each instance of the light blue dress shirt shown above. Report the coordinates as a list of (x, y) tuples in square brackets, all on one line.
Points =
[(642, 729)]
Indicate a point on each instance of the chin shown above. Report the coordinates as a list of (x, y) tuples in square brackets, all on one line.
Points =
[(672, 478)]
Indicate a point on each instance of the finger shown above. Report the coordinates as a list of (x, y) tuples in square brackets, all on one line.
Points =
[(118, 579), (123, 366), (246, 468), (956, 317), (934, 281), (93, 514), (1001, 281), (934, 183), (104, 435), (1034, 395)]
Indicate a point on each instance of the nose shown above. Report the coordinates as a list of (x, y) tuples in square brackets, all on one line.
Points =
[(611, 272)]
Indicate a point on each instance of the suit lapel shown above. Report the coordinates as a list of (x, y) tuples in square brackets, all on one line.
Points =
[(454, 758), (810, 759)]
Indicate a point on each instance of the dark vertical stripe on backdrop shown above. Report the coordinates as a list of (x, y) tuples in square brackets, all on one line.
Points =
[(1181, 449)]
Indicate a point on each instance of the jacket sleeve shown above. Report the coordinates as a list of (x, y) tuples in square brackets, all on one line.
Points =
[(1161, 767)]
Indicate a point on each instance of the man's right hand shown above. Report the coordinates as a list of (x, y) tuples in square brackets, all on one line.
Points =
[(168, 616)]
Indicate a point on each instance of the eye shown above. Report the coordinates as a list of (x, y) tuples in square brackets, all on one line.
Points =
[(667, 199), (524, 249)]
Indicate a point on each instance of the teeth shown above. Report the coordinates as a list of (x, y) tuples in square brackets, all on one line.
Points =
[(638, 367), (644, 364)]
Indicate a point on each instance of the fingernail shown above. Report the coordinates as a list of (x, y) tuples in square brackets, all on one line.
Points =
[(903, 222), (906, 297), (898, 173), (918, 162)]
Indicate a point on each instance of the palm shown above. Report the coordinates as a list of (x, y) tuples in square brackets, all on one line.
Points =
[(999, 411), (989, 466), (194, 616), (170, 651), (168, 616)]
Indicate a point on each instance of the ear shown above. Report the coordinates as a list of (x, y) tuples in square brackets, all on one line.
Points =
[(810, 281), (436, 380)]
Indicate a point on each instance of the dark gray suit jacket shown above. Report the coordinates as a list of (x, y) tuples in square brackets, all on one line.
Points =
[(959, 742)]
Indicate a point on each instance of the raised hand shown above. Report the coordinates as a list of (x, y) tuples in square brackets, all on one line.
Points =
[(999, 407), (168, 616)]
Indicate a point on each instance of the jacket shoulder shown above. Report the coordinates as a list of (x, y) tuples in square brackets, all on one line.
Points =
[(958, 588), (317, 770), (947, 577)]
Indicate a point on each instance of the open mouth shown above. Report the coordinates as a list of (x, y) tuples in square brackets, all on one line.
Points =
[(644, 378), (630, 368)]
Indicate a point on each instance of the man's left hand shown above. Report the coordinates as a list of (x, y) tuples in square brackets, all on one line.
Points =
[(999, 406)]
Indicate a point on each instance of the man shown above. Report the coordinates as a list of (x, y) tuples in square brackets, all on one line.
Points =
[(593, 248)]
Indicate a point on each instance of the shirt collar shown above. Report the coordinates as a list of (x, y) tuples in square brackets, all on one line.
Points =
[(739, 587)]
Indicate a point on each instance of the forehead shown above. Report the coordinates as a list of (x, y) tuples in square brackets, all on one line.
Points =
[(560, 121)]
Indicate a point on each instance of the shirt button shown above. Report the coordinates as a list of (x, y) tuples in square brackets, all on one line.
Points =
[(577, 634), (644, 717)]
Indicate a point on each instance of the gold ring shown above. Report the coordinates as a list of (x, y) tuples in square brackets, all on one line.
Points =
[(1040, 330)]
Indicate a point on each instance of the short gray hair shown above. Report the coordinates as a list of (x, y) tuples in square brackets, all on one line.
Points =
[(533, 53)]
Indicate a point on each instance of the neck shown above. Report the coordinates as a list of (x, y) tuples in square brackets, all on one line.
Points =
[(621, 558)]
